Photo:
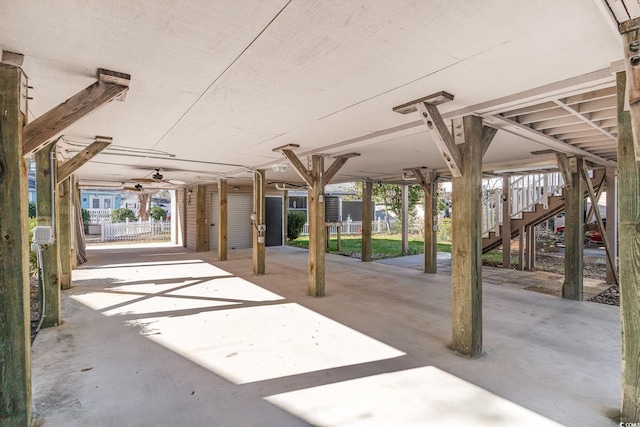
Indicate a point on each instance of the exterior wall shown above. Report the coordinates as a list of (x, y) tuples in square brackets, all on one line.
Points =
[(191, 209), (86, 196)]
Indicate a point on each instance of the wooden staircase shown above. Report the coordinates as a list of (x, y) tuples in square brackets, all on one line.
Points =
[(536, 215)]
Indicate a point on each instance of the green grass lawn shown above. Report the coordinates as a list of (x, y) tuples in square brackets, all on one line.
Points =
[(387, 246)]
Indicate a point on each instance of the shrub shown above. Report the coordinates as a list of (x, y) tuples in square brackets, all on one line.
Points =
[(86, 219), (295, 224), (444, 230), (33, 256), (32, 210), (158, 214), (122, 214)]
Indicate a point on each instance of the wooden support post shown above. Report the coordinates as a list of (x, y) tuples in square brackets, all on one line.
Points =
[(201, 222), (612, 223), (629, 235), (466, 248), (183, 217), (15, 349), (317, 234), (367, 219), (285, 203), (45, 206), (630, 31), (530, 262), (338, 231), (63, 212), (572, 287), (316, 179), (405, 219), (428, 186), (75, 201), (521, 247), (259, 253), (222, 220), (505, 231)]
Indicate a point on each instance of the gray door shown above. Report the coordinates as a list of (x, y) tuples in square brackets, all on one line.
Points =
[(273, 219)]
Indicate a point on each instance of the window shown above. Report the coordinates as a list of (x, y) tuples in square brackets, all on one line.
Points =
[(95, 203), (107, 203)]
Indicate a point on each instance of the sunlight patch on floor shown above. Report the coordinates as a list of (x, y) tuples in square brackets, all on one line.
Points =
[(250, 344), (414, 397)]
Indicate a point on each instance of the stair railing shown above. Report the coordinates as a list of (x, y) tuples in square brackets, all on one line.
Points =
[(526, 192)]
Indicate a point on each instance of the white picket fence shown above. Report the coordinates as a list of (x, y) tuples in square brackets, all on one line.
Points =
[(138, 230), (350, 227)]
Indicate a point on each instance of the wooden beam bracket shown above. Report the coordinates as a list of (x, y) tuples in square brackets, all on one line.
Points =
[(52, 123), (299, 167), (631, 46), (442, 137)]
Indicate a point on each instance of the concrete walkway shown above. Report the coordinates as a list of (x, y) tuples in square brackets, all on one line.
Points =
[(161, 336)]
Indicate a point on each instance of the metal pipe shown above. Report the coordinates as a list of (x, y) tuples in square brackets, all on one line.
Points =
[(52, 176)]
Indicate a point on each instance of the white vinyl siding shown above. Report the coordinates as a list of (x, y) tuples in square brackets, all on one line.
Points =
[(240, 207)]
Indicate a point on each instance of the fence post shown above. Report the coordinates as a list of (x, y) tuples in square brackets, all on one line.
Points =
[(102, 232)]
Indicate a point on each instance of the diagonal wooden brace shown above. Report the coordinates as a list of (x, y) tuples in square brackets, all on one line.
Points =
[(52, 123), (70, 166), (442, 137)]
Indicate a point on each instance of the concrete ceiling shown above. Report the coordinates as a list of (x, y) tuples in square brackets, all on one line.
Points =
[(218, 85)]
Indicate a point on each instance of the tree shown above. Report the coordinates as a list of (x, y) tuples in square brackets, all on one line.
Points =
[(390, 195), (143, 203)]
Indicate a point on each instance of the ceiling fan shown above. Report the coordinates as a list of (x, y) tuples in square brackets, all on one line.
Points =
[(157, 180), (138, 188)]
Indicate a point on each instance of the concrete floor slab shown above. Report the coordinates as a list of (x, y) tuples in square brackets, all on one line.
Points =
[(164, 336)]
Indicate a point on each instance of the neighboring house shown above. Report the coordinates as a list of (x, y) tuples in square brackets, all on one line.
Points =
[(100, 198), (32, 183)]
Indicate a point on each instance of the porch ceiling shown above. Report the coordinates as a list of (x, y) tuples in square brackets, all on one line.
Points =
[(216, 86)]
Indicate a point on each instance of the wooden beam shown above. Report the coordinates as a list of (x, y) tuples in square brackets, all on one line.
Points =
[(45, 174), (222, 219), (594, 202), (67, 168), (15, 350), (285, 225), (488, 133), (299, 167), (367, 219), (52, 123), (433, 99), (629, 235), (184, 216), (631, 46), (572, 287), (317, 234), (259, 253), (63, 212), (466, 247), (442, 137)]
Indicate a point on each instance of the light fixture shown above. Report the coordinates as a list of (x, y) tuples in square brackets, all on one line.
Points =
[(279, 168)]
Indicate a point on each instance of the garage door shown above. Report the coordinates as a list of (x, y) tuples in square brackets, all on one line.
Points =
[(240, 207)]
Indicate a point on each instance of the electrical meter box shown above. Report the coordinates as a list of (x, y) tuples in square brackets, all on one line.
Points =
[(43, 235)]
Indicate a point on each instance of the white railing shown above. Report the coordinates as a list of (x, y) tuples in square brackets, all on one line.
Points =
[(526, 192), (139, 230), (350, 227)]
